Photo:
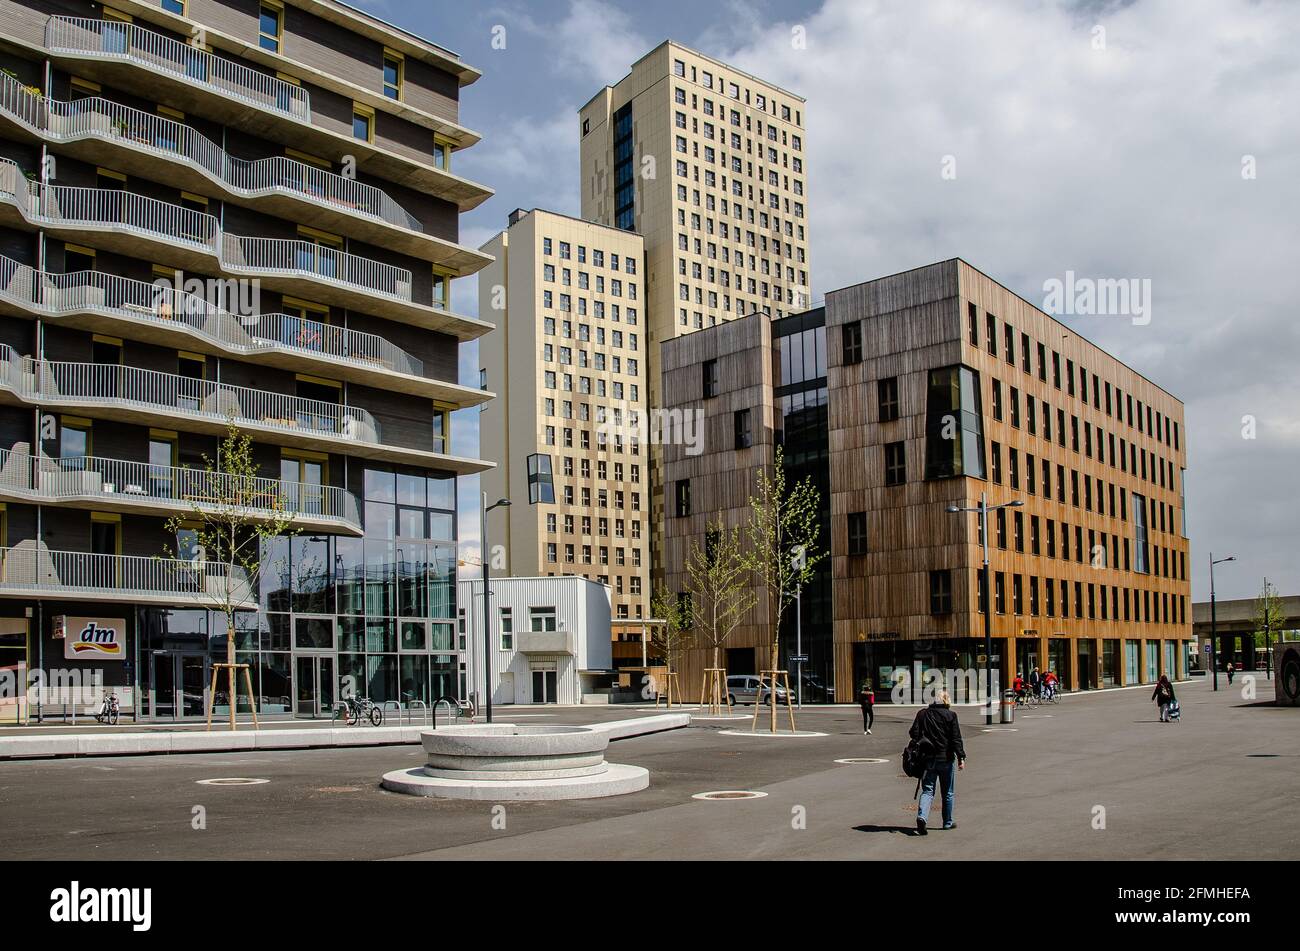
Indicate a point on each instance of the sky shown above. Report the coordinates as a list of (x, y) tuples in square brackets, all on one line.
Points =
[(1154, 140)]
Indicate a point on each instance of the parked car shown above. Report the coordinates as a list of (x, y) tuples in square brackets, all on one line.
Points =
[(749, 688)]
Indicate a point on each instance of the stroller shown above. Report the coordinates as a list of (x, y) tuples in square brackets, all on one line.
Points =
[(1175, 711)]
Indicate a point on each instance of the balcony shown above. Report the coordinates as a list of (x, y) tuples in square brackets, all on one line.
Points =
[(106, 303), (203, 83), (152, 398), (121, 486), (95, 130), (30, 570), (546, 642), (177, 64), (192, 240)]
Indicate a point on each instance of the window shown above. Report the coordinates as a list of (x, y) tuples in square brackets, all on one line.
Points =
[(940, 592), (363, 122), (851, 339), (683, 498), (269, 27), (857, 533), (541, 619), (394, 68), (895, 463), (174, 6), (744, 432), (710, 379), (1140, 535), (887, 395), (507, 629)]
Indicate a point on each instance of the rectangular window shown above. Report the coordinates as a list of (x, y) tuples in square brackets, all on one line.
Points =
[(710, 379), (857, 533), (541, 619), (851, 337), (940, 592), (887, 395), (507, 629), (744, 432), (394, 68), (363, 122), (269, 27), (895, 463), (682, 498)]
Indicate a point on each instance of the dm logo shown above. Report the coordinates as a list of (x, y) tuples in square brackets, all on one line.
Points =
[(96, 641)]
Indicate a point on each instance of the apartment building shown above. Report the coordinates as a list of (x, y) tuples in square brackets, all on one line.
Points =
[(707, 163), (216, 213), (567, 362), (943, 385)]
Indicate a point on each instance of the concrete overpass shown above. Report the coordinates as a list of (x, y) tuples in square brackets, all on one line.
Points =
[(1236, 626)]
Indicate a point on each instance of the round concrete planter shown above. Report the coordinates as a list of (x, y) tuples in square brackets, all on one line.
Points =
[(505, 761)]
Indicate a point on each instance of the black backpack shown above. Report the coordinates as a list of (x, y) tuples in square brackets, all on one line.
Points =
[(919, 754)]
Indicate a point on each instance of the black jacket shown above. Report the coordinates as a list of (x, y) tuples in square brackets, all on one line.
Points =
[(1167, 698), (939, 724)]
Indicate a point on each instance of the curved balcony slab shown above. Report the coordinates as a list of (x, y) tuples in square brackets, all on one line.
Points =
[(199, 82), (105, 303), (101, 132)]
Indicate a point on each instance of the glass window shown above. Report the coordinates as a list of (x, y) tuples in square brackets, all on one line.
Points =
[(541, 619), (312, 633), (269, 21)]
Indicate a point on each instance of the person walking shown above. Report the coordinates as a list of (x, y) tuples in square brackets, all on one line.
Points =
[(867, 700), (1231, 670), (1036, 682), (936, 726), (1164, 697)]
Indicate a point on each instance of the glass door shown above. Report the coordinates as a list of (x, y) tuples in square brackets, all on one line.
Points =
[(314, 685), (544, 686), (194, 683), (162, 685), (179, 685)]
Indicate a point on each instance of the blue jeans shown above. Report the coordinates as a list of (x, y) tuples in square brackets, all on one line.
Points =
[(945, 774)]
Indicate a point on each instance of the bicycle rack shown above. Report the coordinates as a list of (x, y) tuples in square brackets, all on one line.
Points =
[(340, 710), (398, 705), (411, 704), (434, 710)]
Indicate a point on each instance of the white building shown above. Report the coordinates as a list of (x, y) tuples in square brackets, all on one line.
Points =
[(550, 637)]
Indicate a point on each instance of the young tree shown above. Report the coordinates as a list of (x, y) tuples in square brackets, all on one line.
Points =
[(783, 532), (718, 580), (1269, 618), (672, 637), (233, 512)]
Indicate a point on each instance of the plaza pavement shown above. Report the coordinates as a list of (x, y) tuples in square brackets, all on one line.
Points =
[(1223, 783)]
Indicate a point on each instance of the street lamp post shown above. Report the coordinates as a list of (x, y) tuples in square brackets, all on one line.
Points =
[(983, 509), (1214, 637), (487, 606)]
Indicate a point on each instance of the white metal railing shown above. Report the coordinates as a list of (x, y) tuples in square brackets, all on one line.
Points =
[(99, 383), (71, 205), (29, 566), (96, 291), (45, 477), (111, 39), (254, 255), (95, 117)]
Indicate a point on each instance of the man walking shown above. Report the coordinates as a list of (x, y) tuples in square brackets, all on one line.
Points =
[(867, 700), (936, 726)]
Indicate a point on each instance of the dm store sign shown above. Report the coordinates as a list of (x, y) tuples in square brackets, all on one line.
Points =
[(91, 638)]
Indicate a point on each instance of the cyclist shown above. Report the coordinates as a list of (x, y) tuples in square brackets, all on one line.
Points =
[(1050, 682), (1018, 685)]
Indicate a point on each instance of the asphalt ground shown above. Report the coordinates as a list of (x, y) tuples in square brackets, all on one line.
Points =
[(1095, 776)]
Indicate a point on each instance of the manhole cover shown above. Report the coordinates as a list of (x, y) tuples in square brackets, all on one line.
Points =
[(854, 761), (232, 781), (730, 794)]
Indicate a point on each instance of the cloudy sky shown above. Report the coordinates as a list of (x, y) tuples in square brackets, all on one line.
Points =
[(1155, 139)]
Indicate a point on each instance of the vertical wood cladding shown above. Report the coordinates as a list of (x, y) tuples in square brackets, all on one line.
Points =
[(917, 321)]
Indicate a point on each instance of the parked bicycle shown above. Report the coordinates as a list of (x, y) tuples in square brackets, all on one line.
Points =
[(108, 709), (355, 709)]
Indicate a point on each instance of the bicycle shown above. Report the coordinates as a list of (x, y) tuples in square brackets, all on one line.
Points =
[(108, 709), (357, 708)]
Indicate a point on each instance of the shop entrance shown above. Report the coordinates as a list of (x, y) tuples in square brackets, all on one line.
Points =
[(178, 685), (314, 685)]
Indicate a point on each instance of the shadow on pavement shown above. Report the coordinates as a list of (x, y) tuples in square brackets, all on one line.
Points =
[(901, 830)]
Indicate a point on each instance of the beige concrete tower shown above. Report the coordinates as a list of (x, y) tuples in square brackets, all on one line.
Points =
[(707, 163), (568, 363)]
